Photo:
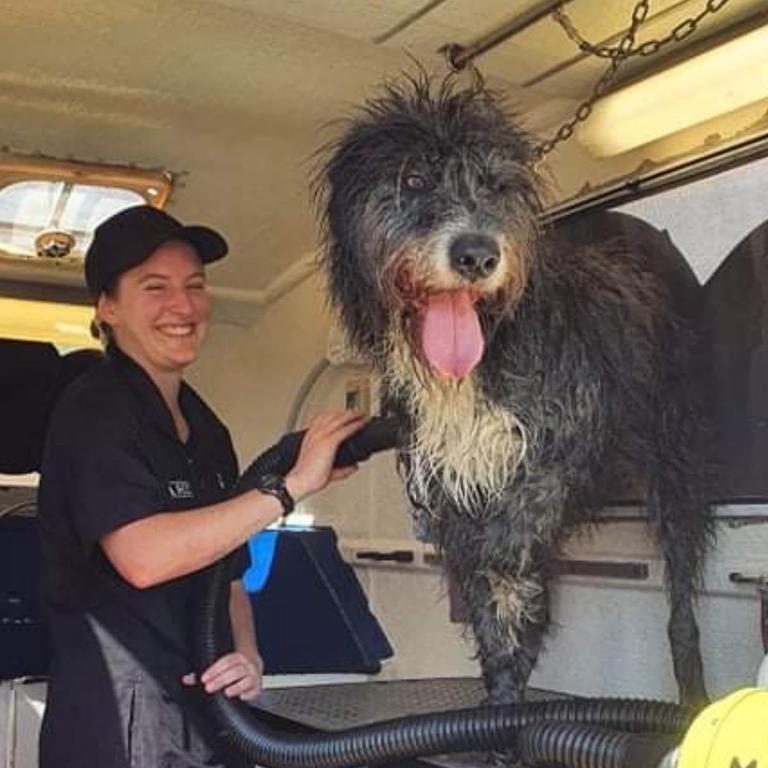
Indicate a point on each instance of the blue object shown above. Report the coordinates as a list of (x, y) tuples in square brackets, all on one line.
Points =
[(262, 548), (311, 613)]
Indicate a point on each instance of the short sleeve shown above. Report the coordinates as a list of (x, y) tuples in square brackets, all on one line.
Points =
[(109, 483)]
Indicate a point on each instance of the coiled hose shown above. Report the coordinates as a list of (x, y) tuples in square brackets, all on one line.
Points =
[(549, 731), (584, 746)]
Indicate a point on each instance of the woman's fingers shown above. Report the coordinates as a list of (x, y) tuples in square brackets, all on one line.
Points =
[(246, 689), (347, 428), (340, 473), (330, 426), (225, 677), (314, 466), (232, 671)]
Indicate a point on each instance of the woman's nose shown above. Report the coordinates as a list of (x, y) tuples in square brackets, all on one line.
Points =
[(181, 301)]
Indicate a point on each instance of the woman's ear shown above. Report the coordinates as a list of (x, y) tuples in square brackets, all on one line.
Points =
[(105, 309)]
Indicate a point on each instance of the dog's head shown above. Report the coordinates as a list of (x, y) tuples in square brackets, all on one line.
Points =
[(430, 209)]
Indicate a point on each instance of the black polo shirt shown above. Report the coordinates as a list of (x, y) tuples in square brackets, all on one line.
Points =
[(113, 457)]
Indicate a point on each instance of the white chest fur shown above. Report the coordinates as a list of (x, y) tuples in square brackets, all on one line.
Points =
[(467, 445)]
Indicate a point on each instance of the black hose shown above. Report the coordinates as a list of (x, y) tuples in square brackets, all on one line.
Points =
[(581, 746), (489, 728), (379, 434)]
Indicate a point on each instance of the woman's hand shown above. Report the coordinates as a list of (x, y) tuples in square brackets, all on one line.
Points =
[(235, 673), (314, 468)]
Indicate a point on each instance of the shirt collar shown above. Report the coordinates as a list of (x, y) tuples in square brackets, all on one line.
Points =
[(148, 392)]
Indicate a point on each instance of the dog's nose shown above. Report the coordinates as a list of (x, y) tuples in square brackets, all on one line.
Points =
[(474, 256)]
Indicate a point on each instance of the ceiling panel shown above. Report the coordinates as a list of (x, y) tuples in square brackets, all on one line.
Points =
[(234, 94), (352, 18), (544, 46)]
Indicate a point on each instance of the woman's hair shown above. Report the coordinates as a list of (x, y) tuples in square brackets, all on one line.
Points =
[(100, 329)]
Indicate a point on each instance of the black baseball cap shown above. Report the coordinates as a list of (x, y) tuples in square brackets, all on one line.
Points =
[(129, 237)]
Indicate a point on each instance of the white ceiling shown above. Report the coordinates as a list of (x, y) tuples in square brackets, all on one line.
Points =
[(232, 95)]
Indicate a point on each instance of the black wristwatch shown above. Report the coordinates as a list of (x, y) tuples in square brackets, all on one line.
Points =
[(274, 485)]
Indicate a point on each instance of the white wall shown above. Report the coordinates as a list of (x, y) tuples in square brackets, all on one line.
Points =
[(250, 374)]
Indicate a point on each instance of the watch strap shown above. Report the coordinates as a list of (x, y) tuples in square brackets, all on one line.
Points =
[(274, 485)]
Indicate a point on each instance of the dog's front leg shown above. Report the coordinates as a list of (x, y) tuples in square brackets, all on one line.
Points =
[(508, 613), (507, 607), (509, 626)]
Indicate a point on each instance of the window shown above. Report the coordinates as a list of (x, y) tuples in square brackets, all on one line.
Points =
[(50, 208), (712, 234), (707, 219)]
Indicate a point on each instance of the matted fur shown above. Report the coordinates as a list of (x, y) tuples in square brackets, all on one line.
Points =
[(460, 440), (589, 353)]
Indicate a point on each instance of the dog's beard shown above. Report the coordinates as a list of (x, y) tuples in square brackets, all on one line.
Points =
[(467, 446)]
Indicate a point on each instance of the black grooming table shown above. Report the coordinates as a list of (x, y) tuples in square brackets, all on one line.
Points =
[(340, 706)]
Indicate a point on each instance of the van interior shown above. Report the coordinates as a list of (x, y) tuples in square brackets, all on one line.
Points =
[(218, 111)]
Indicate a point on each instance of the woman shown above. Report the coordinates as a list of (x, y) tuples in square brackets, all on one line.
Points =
[(136, 500)]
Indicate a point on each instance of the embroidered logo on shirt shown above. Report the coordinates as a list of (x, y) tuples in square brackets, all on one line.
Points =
[(180, 489)]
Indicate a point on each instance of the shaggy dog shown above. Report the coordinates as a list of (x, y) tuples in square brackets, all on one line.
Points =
[(519, 365)]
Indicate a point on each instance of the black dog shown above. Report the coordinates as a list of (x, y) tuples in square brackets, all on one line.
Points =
[(518, 365)]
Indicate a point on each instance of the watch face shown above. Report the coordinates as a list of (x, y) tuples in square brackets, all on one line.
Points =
[(272, 483), (275, 486)]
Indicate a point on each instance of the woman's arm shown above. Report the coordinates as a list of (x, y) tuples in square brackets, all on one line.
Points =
[(243, 628), (167, 545), (238, 673)]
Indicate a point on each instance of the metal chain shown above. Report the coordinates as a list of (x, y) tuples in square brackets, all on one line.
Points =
[(617, 55), (648, 48), (584, 110)]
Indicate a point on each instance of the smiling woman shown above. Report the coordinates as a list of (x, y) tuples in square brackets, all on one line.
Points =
[(153, 449), (158, 312), (137, 498)]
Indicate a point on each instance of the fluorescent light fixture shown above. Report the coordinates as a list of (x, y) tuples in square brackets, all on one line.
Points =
[(65, 325), (718, 81)]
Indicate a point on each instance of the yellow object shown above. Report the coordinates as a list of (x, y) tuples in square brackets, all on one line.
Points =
[(731, 733), (66, 325), (726, 78)]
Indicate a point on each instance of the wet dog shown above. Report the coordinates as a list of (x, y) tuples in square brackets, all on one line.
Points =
[(522, 367)]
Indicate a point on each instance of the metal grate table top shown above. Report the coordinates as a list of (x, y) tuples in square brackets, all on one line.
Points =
[(340, 706)]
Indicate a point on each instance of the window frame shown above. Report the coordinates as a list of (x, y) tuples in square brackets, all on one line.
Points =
[(153, 186)]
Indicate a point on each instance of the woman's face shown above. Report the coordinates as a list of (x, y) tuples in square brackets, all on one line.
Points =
[(159, 309)]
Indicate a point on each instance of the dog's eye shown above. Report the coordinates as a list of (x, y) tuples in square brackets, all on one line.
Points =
[(499, 186), (416, 181)]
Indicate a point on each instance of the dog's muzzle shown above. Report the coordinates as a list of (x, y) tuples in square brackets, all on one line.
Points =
[(448, 330)]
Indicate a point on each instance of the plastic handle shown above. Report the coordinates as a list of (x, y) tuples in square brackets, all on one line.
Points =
[(379, 434)]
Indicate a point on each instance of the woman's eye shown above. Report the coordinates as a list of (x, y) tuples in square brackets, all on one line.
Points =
[(153, 287), (416, 181)]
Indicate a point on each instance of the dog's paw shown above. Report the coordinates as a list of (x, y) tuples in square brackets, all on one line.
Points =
[(509, 758)]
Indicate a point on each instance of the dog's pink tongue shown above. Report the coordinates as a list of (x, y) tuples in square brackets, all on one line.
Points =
[(451, 337)]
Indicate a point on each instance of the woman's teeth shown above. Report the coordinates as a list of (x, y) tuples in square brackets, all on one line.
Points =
[(177, 330)]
